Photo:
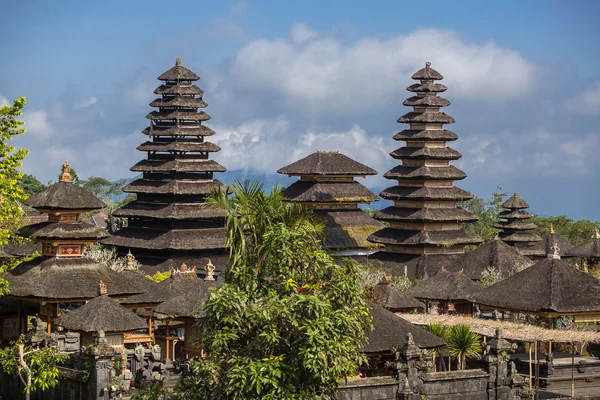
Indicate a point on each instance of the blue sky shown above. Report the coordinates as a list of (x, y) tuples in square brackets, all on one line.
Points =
[(283, 79)]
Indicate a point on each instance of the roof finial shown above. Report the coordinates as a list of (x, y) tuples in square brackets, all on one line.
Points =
[(551, 228), (178, 62), (516, 194), (427, 64), (497, 236), (130, 258), (555, 252), (210, 270), (101, 288), (65, 175)]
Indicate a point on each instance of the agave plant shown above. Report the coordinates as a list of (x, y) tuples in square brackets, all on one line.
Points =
[(463, 343), (440, 330)]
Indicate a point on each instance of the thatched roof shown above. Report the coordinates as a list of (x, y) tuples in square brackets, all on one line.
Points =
[(425, 134), (347, 229), (551, 285), (446, 286), (178, 115), (336, 192), (425, 215), (63, 230), (178, 165), (189, 303), (178, 73), (182, 239), (510, 330), (69, 278), (174, 186), (179, 101), (436, 117), (181, 88), (165, 261), (495, 253), (427, 73), (327, 163), (515, 203), (177, 211), (427, 100), (417, 238), (390, 332), (588, 249), (101, 314), (64, 196), (425, 153), (426, 193), (392, 298), (549, 240), (427, 86), (425, 173), (179, 146), (417, 266), (178, 130)]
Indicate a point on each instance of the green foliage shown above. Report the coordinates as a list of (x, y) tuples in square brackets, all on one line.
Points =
[(31, 185), (160, 276), (576, 232), (490, 275), (41, 362), (102, 188), (463, 343), (288, 321), (154, 391), (487, 213)]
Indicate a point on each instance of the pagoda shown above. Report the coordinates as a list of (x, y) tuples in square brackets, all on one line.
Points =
[(517, 227), (425, 223), (62, 277), (327, 186), (170, 223)]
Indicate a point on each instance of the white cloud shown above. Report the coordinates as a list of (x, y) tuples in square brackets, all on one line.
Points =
[(86, 103), (587, 102), (141, 94), (239, 7), (37, 123), (322, 74), (4, 101)]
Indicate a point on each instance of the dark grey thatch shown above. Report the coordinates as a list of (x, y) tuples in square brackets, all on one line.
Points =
[(327, 163), (414, 238), (446, 286), (101, 314), (69, 278), (429, 134), (426, 193), (347, 229), (432, 117), (425, 173), (496, 254), (186, 165), (65, 196), (425, 215), (63, 230), (181, 88), (395, 299), (426, 153), (4, 255), (177, 115), (589, 249), (178, 130), (550, 240), (427, 73), (24, 250), (427, 87), (188, 304), (549, 286), (315, 191), (179, 146), (414, 266), (183, 239), (427, 100), (390, 331), (179, 211), (178, 73), (189, 102), (515, 203), (173, 187)]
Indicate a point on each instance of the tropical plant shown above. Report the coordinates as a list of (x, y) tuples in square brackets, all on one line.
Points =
[(463, 343), (439, 330), (486, 212), (110, 258), (288, 321), (490, 275)]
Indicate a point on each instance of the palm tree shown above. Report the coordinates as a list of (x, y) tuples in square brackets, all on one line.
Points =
[(439, 330), (463, 343)]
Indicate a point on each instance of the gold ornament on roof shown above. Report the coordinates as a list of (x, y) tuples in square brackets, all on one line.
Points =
[(551, 228), (65, 175), (178, 62), (210, 270), (102, 288)]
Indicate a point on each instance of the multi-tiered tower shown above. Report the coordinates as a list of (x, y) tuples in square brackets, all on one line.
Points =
[(169, 223), (327, 186), (517, 227), (425, 220)]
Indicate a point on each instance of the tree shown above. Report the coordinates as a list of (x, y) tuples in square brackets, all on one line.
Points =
[(463, 343), (31, 185), (288, 321), (576, 232), (35, 366), (487, 213), (439, 330), (103, 188)]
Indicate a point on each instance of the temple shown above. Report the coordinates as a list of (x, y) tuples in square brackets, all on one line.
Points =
[(425, 222), (517, 228), (327, 186), (170, 223)]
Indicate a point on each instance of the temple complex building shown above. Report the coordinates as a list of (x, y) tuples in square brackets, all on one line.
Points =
[(550, 240), (588, 251), (425, 223), (517, 228), (170, 223), (327, 186)]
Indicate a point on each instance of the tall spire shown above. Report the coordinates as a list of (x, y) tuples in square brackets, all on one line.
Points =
[(169, 222), (517, 227), (425, 218)]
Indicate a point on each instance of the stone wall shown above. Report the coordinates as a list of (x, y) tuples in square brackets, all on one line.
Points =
[(381, 388)]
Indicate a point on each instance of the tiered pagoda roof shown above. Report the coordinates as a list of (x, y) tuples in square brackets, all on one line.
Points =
[(446, 286), (589, 249), (170, 223), (550, 240), (62, 273), (327, 186), (517, 228), (425, 220)]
